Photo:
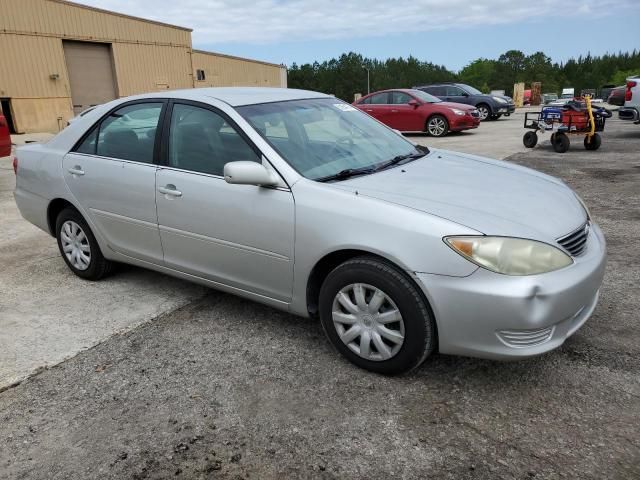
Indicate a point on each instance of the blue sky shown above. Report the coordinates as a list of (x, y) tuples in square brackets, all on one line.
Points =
[(447, 32)]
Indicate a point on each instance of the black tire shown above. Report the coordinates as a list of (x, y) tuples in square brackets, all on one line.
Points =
[(530, 139), (420, 337), (495, 117), (485, 111), (437, 126), (595, 142), (98, 266), (561, 142)]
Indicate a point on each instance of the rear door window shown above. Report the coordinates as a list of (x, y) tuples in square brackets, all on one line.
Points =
[(380, 99), (128, 133), (437, 91), (399, 98)]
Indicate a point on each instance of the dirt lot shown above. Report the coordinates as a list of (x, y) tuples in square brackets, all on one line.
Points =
[(225, 388)]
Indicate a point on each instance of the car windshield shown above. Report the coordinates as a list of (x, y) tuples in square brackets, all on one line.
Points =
[(472, 91), (425, 97), (321, 138)]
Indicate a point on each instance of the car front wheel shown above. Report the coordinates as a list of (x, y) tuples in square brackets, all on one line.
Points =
[(484, 111), (437, 126), (79, 247), (376, 317)]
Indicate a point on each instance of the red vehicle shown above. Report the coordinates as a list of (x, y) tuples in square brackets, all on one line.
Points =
[(417, 111), (5, 138)]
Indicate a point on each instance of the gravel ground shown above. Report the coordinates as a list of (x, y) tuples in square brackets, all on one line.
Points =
[(225, 388)]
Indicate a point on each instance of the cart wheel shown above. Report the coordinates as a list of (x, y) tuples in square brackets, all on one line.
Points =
[(561, 142), (595, 142), (530, 139)]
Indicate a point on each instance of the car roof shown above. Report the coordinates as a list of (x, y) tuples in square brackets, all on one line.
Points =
[(237, 96), (439, 83), (406, 90)]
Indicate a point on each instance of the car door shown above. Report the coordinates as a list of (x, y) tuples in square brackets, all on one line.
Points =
[(456, 94), (402, 116), (378, 106), (112, 174), (237, 235)]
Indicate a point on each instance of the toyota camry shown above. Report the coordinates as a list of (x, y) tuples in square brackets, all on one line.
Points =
[(302, 202)]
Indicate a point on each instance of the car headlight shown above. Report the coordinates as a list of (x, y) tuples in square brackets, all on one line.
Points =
[(499, 100), (584, 205), (457, 112), (510, 256)]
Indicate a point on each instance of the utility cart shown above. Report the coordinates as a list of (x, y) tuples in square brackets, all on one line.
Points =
[(577, 117)]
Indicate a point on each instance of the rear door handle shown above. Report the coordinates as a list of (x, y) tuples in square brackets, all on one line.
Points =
[(170, 189), (76, 170), (394, 111)]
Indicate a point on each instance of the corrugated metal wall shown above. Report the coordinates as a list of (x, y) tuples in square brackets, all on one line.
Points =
[(27, 63), (147, 56), (224, 70), (148, 68), (68, 20)]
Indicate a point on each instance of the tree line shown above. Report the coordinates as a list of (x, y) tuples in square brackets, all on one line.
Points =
[(347, 75)]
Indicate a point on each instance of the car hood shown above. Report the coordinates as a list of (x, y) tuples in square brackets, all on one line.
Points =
[(490, 196)]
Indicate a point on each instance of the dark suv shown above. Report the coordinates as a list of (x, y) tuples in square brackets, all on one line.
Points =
[(490, 106)]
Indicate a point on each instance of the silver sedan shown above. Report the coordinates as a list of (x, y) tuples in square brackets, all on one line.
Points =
[(298, 200)]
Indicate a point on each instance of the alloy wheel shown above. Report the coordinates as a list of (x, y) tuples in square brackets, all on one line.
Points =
[(75, 245), (484, 112), (437, 127), (368, 322)]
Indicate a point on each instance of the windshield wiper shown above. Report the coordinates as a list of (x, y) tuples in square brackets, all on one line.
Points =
[(346, 173), (400, 158)]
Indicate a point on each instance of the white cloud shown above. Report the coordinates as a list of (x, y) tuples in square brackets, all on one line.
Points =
[(271, 21)]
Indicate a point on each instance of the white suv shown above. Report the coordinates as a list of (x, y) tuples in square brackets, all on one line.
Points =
[(631, 109)]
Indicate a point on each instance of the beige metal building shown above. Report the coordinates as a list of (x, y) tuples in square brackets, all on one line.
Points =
[(58, 58)]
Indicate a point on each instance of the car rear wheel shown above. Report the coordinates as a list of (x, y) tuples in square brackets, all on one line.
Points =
[(484, 110), (494, 117), (560, 142), (376, 317), (79, 247), (437, 126), (595, 142)]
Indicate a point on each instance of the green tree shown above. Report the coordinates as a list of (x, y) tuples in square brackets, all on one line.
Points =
[(478, 72)]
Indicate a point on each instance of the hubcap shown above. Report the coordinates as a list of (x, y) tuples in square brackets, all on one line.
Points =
[(368, 322), (436, 127), (484, 112), (75, 245)]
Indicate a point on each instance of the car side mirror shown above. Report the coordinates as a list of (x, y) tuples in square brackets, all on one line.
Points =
[(414, 103), (249, 173), (465, 94)]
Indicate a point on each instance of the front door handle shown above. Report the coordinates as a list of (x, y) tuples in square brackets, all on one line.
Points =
[(394, 111), (76, 170), (170, 189)]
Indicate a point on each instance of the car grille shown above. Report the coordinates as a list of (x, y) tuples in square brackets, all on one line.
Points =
[(525, 338), (575, 242), (475, 113)]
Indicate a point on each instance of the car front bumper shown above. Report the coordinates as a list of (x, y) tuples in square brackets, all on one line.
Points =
[(464, 123), (506, 109), (502, 317)]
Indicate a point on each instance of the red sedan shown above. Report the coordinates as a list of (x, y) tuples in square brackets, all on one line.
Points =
[(5, 139), (416, 111)]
